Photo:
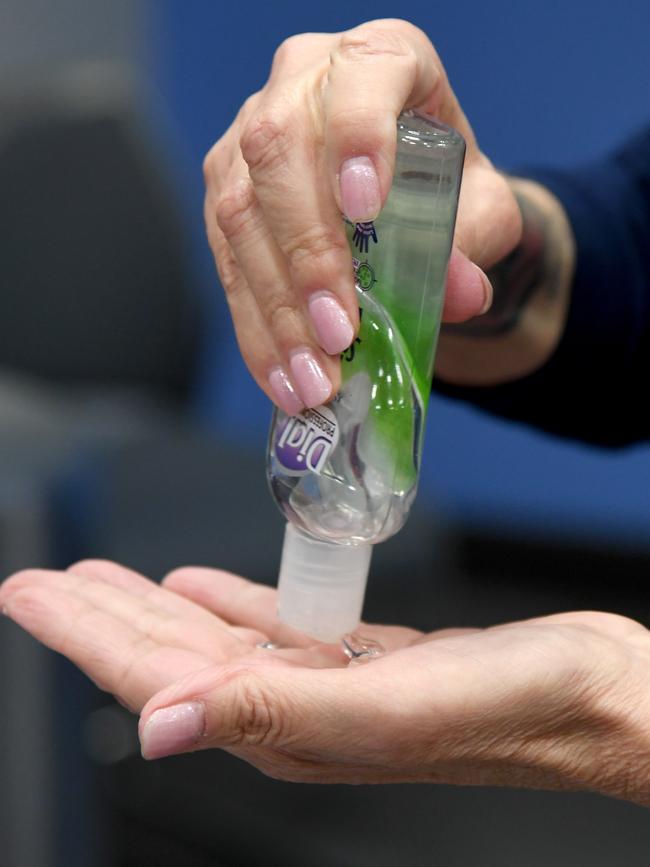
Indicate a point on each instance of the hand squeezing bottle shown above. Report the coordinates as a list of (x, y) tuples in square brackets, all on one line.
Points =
[(345, 474)]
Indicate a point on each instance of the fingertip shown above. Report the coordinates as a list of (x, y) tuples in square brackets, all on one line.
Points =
[(172, 730), (184, 577), (332, 325), (27, 608), (90, 568), (360, 189), (313, 384), (489, 292), (18, 581), (283, 394), (468, 292)]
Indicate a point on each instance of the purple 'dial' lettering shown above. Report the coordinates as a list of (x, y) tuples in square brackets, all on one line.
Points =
[(304, 443)]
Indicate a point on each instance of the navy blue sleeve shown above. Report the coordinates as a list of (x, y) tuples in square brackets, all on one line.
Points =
[(595, 386)]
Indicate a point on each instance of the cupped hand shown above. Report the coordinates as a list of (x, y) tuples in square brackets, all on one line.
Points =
[(555, 702), (317, 141)]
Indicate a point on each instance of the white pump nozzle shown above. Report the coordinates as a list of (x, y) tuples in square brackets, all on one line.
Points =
[(322, 585)]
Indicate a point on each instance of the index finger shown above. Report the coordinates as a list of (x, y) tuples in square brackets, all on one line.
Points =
[(236, 600), (116, 654), (376, 71)]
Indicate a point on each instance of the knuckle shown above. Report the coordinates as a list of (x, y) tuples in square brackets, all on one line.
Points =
[(280, 315), (286, 49), (249, 106), (228, 270), (371, 42), (319, 245), (258, 719), (266, 140), (362, 124), (208, 161), (406, 28), (230, 277), (233, 208)]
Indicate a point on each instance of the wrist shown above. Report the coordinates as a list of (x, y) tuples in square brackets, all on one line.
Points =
[(598, 739)]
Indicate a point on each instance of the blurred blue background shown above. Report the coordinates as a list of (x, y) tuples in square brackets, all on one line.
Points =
[(543, 84)]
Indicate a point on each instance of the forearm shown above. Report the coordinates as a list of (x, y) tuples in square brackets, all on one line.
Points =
[(532, 288), (579, 367)]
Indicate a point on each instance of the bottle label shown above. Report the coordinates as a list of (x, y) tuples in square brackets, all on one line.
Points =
[(304, 442)]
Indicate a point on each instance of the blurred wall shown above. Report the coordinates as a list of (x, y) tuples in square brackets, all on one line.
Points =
[(550, 83), (37, 36), (40, 33)]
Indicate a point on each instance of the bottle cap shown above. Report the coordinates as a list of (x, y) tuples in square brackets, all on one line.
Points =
[(322, 585)]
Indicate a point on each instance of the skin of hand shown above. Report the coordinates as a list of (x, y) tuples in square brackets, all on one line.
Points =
[(559, 702), (318, 141)]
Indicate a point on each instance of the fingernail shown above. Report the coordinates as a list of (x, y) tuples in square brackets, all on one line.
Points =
[(171, 730), (284, 392), (487, 290), (331, 323), (312, 384), (359, 185)]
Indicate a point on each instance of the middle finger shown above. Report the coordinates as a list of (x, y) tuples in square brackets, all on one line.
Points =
[(201, 633), (283, 149)]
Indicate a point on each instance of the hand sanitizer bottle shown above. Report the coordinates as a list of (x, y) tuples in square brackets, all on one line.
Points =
[(345, 474)]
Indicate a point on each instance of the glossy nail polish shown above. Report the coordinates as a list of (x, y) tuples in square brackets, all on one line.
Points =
[(312, 383), (359, 186), (172, 730), (331, 323), (284, 393)]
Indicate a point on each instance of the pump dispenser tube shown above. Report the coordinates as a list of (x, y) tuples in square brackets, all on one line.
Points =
[(345, 474)]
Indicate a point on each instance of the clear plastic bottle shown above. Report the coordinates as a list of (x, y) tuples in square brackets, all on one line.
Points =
[(345, 474)]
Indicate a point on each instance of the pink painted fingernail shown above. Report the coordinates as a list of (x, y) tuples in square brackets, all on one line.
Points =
[(284, 392), (331, 322), (172, 730), (360, 193), (487, 290), (312, 383)]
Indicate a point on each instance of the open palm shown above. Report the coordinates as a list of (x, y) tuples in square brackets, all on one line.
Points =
[(557, 702), (133, 637)]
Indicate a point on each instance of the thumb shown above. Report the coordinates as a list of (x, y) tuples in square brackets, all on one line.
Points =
[(246, 705), (488, 227), (489, 223), (468, 291)]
